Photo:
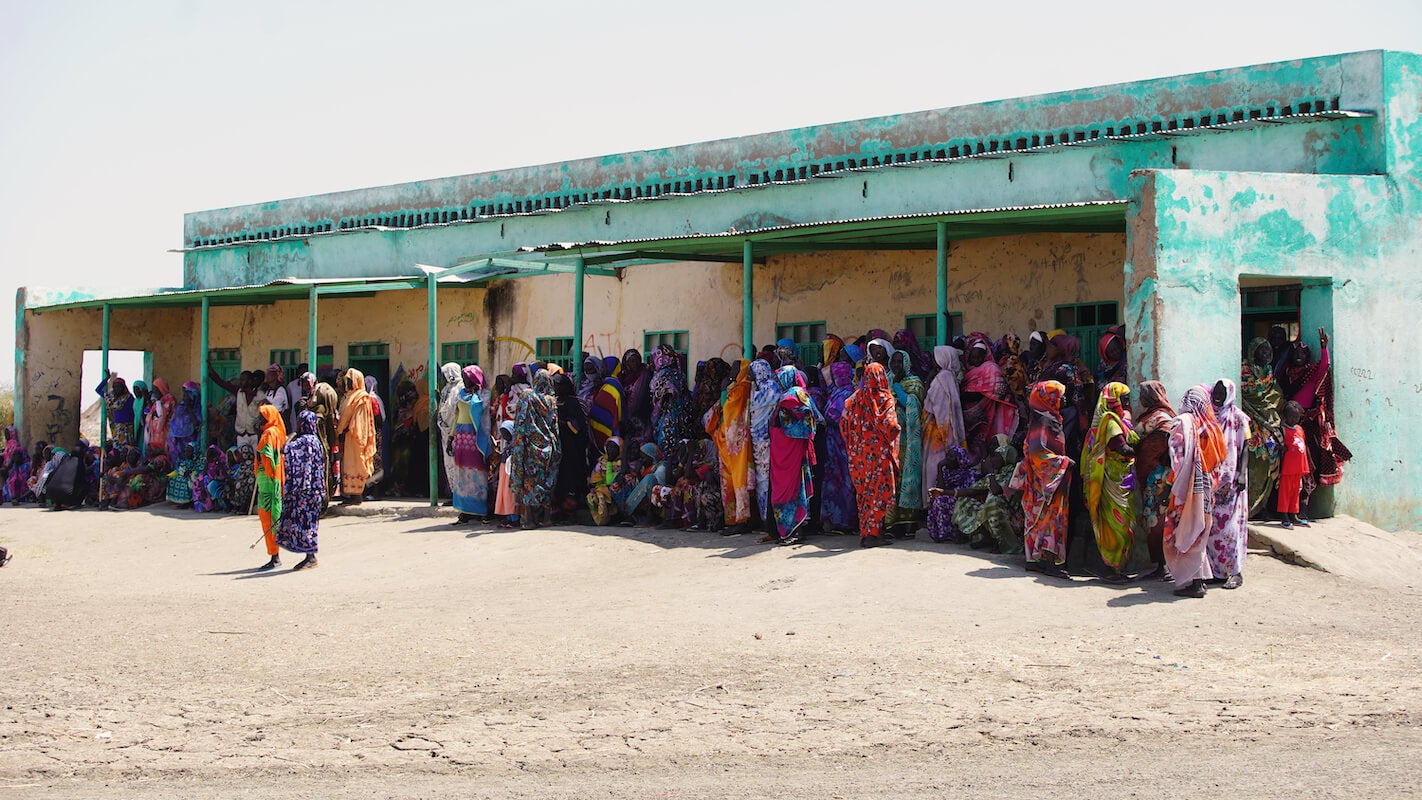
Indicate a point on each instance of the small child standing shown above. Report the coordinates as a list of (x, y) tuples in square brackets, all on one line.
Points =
[(503, 496), (1295, 465)]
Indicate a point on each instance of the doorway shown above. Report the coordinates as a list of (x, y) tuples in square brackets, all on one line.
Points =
[(131, 365)]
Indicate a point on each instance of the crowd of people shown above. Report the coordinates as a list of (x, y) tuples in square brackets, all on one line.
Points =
[(981, 442)]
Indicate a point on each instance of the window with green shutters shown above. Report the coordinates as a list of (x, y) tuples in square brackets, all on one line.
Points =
[(226, 363), (461, 353), (924, 327), (556, 350), (808, 337), (1088, 322), (368, 350), (288, 360)]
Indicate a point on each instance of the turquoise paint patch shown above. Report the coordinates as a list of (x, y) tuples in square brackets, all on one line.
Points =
[(1243, 199), (1279, 231)]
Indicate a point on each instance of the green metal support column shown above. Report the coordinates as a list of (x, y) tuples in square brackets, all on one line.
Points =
[(943, 333), (104, 373), (747, 299), (202, 371), (579, 272), (432, 371), (311, 329)]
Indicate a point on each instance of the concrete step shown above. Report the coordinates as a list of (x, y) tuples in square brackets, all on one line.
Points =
[(1347, 547)]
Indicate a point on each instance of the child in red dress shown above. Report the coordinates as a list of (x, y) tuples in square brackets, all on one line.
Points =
[(1295, 466)]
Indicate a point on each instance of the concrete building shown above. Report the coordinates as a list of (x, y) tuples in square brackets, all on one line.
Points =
[(1197, 210)]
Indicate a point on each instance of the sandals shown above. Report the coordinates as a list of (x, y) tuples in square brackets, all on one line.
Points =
[(1195, 588), (307, 563)]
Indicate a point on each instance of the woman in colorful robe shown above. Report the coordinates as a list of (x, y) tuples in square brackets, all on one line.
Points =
[(943, 413), (1009, 359), (1196, 445), (1043, 477), (156, 415), (119, 402), (1153, 477), (303, 486), (636, 380), (535, 453), (792, 455), (1107, 462), (1311, 385), (955, 472), (576, 444), (602, 396), (908, 407), (729, 427), (1111, 368), (1229, 536), (670, 419), (919, 362), (871, 432), (469, 447), (451, 374), (356, 427), (209, 485), (838, 510), (988, 407), (184, 427), (765, 395), (269, 472), (180, 480), (1259, 397)]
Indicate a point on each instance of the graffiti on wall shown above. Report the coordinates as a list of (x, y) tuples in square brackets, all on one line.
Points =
[(60, 418)]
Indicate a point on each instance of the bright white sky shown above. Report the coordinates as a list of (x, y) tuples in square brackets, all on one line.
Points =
[(115, 118)]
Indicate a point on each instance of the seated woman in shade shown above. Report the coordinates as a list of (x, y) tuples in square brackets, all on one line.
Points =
[(955, 471), (604, 474), (180, 480)]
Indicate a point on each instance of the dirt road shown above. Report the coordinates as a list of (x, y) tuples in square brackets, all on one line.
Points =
[(142, 658)]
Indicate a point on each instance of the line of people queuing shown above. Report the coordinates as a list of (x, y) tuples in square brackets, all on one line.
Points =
[(981, 442)]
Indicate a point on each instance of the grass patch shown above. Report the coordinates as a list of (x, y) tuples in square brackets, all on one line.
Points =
[(7, 407)]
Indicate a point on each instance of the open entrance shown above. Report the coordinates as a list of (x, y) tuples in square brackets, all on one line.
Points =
[(131, 365)]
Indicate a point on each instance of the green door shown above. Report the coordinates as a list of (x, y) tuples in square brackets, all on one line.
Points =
[(373, 360), (227, 364)]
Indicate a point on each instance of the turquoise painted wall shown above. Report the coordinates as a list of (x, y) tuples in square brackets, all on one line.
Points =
[(1355, 241)]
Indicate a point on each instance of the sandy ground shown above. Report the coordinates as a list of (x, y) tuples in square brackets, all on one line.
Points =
[(143, 659)]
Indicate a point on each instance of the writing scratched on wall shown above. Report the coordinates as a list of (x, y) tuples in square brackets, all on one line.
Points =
[(60, 418)]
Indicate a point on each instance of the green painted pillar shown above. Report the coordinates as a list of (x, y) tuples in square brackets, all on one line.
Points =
[(202, 371), (104, 372), (944, 335), (747, 299), (432, 371), (311, 329), (579, 273)]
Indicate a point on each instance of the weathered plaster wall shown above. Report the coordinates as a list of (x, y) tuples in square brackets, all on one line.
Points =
[(1345, 81), (1063, 176), (54, 342), (1195, 234)]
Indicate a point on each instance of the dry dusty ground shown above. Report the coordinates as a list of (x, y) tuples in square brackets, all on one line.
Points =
[(141, 659)]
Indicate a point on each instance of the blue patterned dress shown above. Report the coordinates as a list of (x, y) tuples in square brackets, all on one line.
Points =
[(304, 461)]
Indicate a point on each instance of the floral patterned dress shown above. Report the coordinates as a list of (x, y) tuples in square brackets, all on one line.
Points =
[(871, 432), (304, 461)]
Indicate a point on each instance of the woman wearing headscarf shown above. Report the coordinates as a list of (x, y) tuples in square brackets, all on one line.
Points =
[(184, 427), (269, 472), (1009, 360), (919, 362), (452, 376), (1107, 460), (908, 407), (1062, 363), (1196, 447), (601, 396), (16, 467), (1043, 477), (955, 472), (377, 412), (636, 382), (653, 474), (1311, 386), (324, 403), (1112, 351), (879, 351), (157, 415), (573, 438), (838, 511), (469, 449), (241, 478), (1229, 536), (711, 375), (535, 453), (1153, 476), (831, 351), (670, 418), (728, 424), (765, 395), (943, 413), (356, 429), (792, 454), (1032, 356), (1260, 399), (116, 397), (981, 513), (871, 431), (988, 409), (302, 488)]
